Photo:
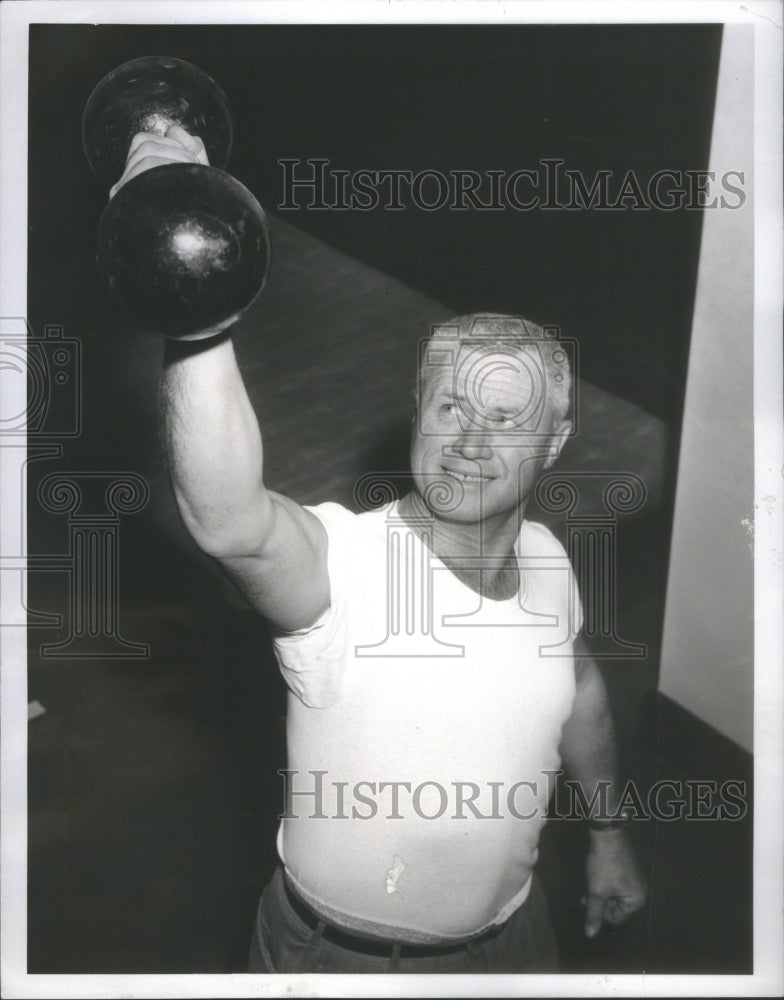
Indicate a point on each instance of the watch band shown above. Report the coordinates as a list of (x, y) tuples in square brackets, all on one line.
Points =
[(617, 822)]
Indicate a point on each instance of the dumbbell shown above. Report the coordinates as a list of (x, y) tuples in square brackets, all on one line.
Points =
[(184, 247)]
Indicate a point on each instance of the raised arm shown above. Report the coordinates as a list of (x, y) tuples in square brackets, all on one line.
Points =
[(272, 548), (615, 885)]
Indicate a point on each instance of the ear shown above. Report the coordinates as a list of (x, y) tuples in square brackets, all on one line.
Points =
[(557, 441)]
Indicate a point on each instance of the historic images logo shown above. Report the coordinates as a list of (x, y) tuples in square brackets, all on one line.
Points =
[(314, 184), (312, 795)]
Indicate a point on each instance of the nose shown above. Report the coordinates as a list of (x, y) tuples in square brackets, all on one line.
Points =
[(472, 446)]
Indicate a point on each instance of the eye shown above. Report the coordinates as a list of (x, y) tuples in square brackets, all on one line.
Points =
[(448, 409), (500, 420)]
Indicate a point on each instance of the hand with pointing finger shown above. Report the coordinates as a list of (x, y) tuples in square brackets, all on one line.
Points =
[(616, 887)]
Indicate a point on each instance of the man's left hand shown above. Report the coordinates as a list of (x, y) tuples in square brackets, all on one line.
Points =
[(616, 887)]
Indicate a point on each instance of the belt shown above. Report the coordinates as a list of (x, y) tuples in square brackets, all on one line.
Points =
[(367, 946)]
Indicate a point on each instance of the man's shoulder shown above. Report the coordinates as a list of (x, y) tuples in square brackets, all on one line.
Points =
[(536, 539), (330, 511), (339, 520), (540, 552)]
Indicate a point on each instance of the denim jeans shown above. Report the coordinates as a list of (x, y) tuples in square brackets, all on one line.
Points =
[(283, 943)]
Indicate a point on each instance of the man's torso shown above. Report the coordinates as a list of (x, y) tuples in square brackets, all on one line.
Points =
[(431, 717)]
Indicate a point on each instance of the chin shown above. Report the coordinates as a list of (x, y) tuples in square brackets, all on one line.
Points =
[(458, 515), (447, 502)]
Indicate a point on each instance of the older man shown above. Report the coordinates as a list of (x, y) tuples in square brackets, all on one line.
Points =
[(428, 647)]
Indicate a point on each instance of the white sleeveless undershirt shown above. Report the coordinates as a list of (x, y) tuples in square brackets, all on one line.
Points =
[(423, 732)]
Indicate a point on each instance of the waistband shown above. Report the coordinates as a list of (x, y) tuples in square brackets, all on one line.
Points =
[(367, 946)]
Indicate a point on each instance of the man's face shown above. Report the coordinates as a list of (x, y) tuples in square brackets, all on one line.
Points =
[(483, 432)]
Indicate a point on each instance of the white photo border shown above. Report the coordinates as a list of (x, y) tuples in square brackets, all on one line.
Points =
[(766, 17)]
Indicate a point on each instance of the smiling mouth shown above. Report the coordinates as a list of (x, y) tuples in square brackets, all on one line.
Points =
[(464, 477)]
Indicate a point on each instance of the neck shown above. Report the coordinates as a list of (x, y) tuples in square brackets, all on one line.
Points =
[(458, 543)]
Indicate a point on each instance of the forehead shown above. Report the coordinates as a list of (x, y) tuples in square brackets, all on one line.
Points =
[(485, 376)]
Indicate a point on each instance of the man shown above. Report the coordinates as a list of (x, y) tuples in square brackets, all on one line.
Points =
[(428, 647)]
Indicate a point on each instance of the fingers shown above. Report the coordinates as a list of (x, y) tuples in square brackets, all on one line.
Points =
[(176, 144), (149, 150), (140, 165), (610, 909), (594, 911), (617, 909), (191, 142)]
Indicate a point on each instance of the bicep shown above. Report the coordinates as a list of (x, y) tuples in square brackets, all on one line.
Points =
[(286, 577)]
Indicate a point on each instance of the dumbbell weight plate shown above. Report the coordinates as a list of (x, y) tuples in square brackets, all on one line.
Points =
[(148, 95), (184, 247)]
